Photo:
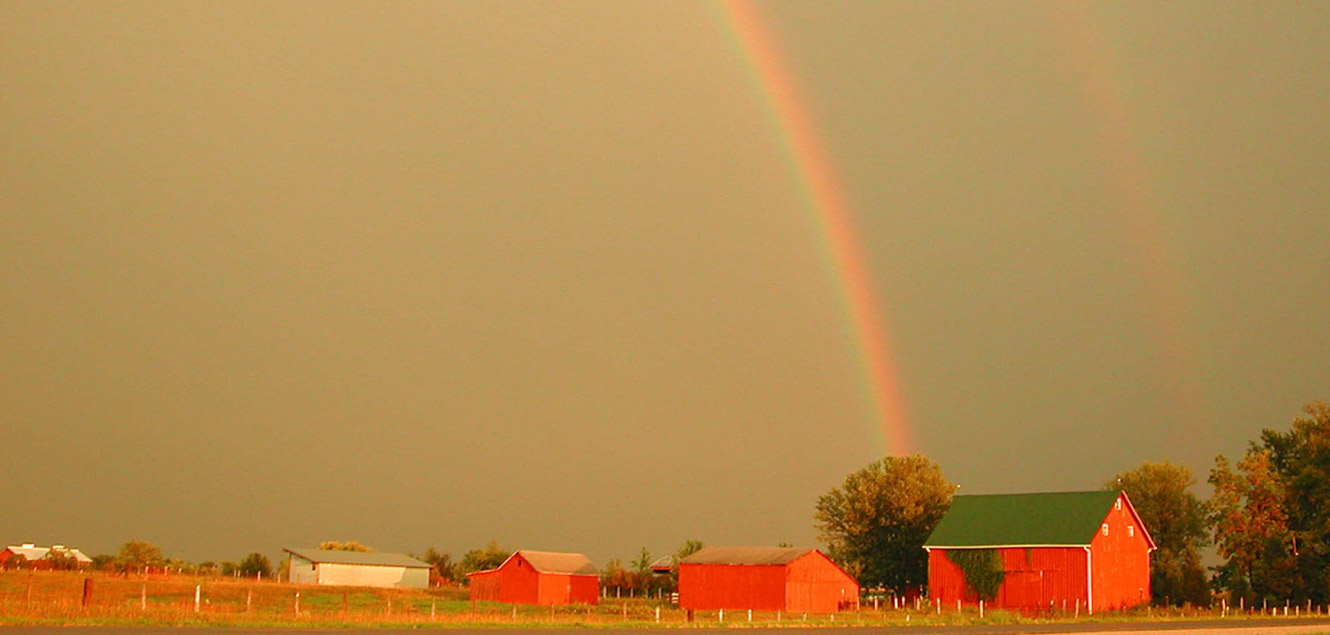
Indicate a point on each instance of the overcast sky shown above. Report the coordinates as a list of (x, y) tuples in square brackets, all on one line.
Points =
[(434, 273)]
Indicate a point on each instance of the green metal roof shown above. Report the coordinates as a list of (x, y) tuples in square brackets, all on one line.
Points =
[(1057, 518)]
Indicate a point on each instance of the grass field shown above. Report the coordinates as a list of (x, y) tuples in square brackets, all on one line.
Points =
[(48, 597)]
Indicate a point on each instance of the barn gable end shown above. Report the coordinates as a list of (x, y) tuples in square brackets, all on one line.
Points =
[(538, 577), (1078, 549), (765, 579)]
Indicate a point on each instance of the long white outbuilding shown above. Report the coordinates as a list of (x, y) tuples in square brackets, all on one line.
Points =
[(356, 568)]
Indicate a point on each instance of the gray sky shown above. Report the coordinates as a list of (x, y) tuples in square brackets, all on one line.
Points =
[(434, 273)]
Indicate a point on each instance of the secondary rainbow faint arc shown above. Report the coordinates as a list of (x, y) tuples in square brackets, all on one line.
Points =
[(810, 162), (1096, 74)]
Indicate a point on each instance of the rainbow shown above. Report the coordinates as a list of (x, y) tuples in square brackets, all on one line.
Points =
[(1093, 70), (809, 161)]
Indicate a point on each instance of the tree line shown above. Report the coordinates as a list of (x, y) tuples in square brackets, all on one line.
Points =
[(637, 579), (140, 557), (1268, 517)]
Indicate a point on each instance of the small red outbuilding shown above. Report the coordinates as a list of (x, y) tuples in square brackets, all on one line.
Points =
[(538, 577), (765, 579), (1086, 550)]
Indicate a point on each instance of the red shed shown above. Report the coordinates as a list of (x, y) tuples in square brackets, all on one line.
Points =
[(538, 577), (765, 579), (1063, 549)]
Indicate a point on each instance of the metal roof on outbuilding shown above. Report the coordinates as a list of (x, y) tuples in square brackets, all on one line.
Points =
[(30, 551), (745, 555), (664, 564), (555, 562), (371, 558), (1045, 519)]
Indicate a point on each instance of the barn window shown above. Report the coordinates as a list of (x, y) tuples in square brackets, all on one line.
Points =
[(1104, 529), (1131, 530), (1117, 504)]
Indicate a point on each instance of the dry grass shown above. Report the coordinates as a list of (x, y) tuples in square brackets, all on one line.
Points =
[(48, 597), (58, 598)]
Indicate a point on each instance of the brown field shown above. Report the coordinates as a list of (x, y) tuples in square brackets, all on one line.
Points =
[(51, 597)]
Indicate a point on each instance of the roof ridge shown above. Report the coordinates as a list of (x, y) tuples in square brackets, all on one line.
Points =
[(1069, 518), (1049, 493), (369, 558), (560, 562)]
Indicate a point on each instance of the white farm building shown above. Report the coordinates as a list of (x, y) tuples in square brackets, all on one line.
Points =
[(356, 568)]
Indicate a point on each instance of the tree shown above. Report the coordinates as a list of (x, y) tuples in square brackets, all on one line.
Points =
[(347, 545), (1301, 458), (1251, 528), (689, 548), (254, 565), (103, 562), (179, 565), (1176, 519), (876, 522), (480, 560), (643, 579), (138, 555), (613, 575), (61, 560), (441, 563)]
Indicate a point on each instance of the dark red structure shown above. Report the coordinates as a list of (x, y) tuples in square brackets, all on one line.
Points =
[(765, 579), (538, 577), (1065, 550)]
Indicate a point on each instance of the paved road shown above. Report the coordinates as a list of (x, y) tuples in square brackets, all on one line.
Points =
[(1212, 627)]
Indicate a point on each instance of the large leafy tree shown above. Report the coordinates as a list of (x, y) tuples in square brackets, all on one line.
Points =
[(1300, 458), (254, 565), (1176, 519), (875, 523), (137, 555), (1251, 528)]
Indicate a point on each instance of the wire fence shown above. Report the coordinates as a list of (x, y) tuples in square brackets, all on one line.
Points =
[(68, 597)]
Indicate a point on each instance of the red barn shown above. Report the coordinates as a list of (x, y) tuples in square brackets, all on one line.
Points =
[(538, 577), (765, 579), (1065, 549)]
